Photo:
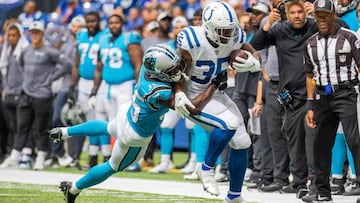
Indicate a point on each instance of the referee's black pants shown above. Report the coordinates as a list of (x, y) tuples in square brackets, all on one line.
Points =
[(329, 110)]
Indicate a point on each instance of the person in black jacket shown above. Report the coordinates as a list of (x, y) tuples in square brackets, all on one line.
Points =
[(289, 36)]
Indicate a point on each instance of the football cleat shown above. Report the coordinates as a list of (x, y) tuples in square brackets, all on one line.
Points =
[(9, 163), (40, 161), (65, 188), (189, 168), (208, 181), (161, 168)]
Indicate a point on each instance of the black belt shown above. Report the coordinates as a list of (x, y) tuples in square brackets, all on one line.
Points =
[(273, 82), (343, 85)]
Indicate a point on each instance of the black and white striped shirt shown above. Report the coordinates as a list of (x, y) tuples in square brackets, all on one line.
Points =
[(333, 59)]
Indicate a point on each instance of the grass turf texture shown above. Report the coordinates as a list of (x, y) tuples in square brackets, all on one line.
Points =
[(20, 193), (174, 175)]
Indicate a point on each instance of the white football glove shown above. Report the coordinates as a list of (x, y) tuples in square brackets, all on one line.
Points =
[(243, 65), (92, 102), (181, 100)]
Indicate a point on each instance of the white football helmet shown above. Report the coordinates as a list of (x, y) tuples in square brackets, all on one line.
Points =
[(72, 114), (163, 63), (220, 23)]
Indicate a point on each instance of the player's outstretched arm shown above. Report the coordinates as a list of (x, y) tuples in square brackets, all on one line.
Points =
[(199, 101), (182, 102)]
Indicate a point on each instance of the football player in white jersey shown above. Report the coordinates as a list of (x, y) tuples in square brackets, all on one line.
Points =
[(206, 52)]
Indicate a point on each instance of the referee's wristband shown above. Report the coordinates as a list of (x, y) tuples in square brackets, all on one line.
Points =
[(310, 104)]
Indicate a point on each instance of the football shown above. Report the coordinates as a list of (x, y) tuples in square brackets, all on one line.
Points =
[(241, 53)]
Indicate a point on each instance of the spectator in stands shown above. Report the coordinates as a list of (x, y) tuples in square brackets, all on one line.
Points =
[(71, 10), (150, 29), (134, 20), (191, 7), (29, 15), (197, 18)]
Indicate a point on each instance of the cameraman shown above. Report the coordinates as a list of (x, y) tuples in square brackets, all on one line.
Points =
[(289, 36)]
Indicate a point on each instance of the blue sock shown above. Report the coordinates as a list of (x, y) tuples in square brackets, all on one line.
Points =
[(232, 196), (218, 139), (205, 167), (192, 140), (237, 164), (94, 140), (104, 140), (95, 175), (90, 128), (338, 157), (166, 140), (201, 143)]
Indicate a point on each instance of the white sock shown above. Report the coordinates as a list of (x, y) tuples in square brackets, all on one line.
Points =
[(64, 132), (27, 151), (106, 150), (74, 190), (15, 155), (165, 159), (192, 157), (93, 150)]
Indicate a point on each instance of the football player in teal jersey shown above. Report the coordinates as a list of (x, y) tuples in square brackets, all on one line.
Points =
[(118, 65), (87, 45), (136, 121)]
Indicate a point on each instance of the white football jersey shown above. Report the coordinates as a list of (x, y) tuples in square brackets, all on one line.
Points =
[(207, 61)]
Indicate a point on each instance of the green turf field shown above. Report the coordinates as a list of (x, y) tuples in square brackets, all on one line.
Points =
[(175, 175), (21, 193)]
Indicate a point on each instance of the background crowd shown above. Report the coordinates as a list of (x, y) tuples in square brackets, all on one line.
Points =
[(34, 93)]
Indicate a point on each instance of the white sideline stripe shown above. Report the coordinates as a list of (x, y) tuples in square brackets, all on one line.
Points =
[(151, 186)]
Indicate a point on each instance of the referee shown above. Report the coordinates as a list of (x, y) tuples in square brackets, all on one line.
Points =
[(332, 60)]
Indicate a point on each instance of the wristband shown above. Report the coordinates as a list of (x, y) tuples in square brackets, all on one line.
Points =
[(310, 104)]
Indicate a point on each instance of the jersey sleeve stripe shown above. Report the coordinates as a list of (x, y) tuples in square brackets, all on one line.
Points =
[(195, 37), (188, 38), (161, 88), (242, 40)]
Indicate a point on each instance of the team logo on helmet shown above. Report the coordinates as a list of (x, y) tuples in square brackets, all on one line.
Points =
[(150, 62)]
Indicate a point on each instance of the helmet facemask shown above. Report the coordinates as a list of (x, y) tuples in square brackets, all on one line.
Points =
[(163, 63)]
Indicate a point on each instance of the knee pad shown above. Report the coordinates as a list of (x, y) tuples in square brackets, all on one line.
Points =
[(241, 140)]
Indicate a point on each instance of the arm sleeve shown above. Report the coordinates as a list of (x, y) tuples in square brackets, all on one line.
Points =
[(160, 95), (308, 66), (21, 58), (264, 39), (134, 38), (355, 48), (62, 60)]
